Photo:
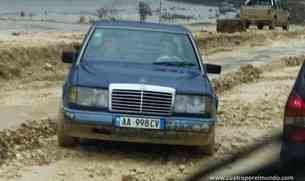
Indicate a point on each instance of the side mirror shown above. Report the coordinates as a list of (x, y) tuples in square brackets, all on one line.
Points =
[(69, 57), (212, 68)]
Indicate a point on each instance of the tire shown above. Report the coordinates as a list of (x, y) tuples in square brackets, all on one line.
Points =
[(286, 27), (271, 27), (247, 25), (217, 28), (272, 24), (260, 26), (62, 138), (210, 148)]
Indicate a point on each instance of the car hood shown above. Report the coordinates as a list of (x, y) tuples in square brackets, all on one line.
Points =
[(185, 81)]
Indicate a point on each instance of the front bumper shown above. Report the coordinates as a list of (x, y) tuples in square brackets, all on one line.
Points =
[(102, 125)]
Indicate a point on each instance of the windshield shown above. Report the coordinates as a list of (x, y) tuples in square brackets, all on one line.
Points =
[(258, 2), (138, 46)]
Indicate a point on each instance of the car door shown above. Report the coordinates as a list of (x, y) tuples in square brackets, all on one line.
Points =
[(281, 14)]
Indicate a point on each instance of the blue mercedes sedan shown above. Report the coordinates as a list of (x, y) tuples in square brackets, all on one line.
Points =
[(138, 82)]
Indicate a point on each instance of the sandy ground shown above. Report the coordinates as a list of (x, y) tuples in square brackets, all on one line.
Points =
[(255, 115), (258, 55), (20, 102), (40, 39), (248, 113), (24, 55)]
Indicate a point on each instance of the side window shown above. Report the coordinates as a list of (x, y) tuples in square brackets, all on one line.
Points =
[(274, 4), (78, 47), (279, 6), (283, 5)]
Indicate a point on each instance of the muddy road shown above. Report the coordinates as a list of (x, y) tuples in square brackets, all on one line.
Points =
[(248, 113), (254, 116), (258, 55)]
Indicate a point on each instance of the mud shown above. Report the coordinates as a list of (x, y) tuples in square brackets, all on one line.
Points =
[(245, 74), (31, 152), (293, 61), (30, 135), (230, 26), (249, 73), (211, 42), (36, 56), (251, 106), (250, 113)]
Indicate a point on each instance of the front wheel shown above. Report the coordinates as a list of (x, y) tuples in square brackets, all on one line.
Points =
[(286, 27), (260, 26), (63, 139), (272, 25), (210, 148), (247, 25)]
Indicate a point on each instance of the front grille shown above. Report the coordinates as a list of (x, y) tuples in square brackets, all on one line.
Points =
[(141, 101)]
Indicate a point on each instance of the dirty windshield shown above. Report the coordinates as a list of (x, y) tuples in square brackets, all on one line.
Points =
[(152, 90), (136, 46)]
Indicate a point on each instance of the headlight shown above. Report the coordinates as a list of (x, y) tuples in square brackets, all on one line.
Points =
[(193, 104), (88, 97)]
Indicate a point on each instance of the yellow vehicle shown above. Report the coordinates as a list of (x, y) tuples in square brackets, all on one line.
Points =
[(265, 13)]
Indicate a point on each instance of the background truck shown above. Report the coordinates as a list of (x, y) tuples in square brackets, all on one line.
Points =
[(265, 12)]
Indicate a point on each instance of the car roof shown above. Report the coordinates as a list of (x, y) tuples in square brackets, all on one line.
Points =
[(143, 25)]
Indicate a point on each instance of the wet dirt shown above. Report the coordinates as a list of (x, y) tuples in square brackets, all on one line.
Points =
[(251, 108), (256, 112)]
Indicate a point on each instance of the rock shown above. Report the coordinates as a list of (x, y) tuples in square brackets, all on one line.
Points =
[(245, 74), (236, 145), (49, 67), (18, 156), (39, 152), (181, 168), (16, 33), (61, 173), (129, 178), (133, 170), (230, 25), (23, 138), (140, 171)]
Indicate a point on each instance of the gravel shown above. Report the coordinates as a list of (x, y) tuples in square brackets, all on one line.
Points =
[(245, 74), (31, 135), (242, 123)]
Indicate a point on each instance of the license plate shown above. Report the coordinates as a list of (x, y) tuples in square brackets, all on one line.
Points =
[(142, 123)]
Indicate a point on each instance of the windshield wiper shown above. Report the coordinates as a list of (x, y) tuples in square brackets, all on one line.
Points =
[(178, 63)]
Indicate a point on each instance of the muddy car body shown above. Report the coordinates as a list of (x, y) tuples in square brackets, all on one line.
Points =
[(265, 12), (134, 96)]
